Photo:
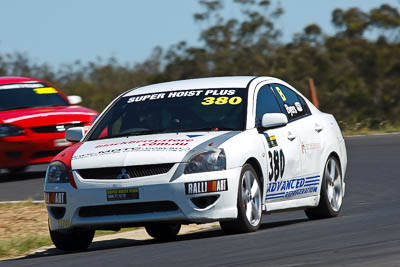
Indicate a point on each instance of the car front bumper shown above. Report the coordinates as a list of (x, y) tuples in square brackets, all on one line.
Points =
[(88, 207)]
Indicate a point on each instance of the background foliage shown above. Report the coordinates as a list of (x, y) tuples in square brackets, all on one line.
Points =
[(356, 70)]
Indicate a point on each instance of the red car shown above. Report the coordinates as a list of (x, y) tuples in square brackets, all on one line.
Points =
[(34, 115)]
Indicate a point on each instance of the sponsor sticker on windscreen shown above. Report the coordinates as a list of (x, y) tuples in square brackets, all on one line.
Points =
[(45, 90), (122, 194)]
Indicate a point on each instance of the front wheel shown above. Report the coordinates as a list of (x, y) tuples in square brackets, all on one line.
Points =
[(331, 195), (248, 204), (73, 240), (163, 231)]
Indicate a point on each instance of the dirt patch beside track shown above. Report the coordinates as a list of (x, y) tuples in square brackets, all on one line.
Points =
[(21, 219)]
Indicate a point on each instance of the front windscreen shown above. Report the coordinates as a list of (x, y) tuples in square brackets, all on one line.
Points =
[(174, 111), (29, 95)]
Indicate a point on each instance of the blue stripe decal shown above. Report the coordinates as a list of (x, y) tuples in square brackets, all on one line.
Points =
[(268, 198), (312, 181), (270, 195), (312, 177), (311, 184)]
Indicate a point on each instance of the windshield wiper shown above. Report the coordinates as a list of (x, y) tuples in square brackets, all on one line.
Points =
[(51, 105), (208, 129)]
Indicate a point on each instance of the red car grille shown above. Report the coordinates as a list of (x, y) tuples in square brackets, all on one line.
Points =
[(56, 128), (125, 172)]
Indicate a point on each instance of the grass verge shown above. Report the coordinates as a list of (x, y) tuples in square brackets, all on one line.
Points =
[(17, 246), (364, 128), (23, 227)]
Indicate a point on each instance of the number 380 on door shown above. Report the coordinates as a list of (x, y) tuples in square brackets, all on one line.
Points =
[(276, 164)]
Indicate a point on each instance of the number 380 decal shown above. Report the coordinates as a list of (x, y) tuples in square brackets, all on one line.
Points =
[(276, 164)]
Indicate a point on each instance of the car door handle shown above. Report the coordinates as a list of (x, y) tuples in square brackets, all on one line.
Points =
[(318, 128), (291, 136)]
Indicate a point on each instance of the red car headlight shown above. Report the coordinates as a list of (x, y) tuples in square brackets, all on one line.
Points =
[(10, 130)]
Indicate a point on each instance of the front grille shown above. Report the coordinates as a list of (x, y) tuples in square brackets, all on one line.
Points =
[(127, 209), (125, 172), (14, 154), (45, 154), (56, 128)]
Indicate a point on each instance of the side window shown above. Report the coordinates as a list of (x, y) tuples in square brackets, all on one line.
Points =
[(304, 105), (292, 104), (266, 103)]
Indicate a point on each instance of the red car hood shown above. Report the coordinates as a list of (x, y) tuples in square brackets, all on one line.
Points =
[(46, 116)]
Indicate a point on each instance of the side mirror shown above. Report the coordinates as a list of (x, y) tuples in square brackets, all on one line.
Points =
[(74, 134), (74, 99), (273, 120)]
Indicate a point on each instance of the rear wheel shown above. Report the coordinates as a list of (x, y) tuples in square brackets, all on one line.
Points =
[(163, 231), (331, 195), (73, 240), (248, 204)]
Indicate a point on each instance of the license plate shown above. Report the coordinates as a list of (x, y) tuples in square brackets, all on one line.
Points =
[(122, 194)]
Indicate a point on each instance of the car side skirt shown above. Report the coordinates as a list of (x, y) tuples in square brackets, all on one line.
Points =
[(293, 204)]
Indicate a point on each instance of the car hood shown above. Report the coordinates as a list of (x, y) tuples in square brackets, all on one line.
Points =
[(146, 149), (41, 116)]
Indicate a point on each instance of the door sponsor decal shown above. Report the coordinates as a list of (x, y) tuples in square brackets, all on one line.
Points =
[(293, 187), (271, 140), (306, 147), (206, 187)]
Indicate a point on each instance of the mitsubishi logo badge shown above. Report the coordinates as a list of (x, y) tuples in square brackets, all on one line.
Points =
[(123, 175)]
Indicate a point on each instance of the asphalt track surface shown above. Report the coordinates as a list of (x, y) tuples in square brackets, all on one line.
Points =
[(367, 232), (23, 186)]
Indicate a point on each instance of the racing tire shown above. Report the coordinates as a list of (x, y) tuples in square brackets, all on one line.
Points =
[(249, 204), (74, 240), (331, 195), (163, 231)]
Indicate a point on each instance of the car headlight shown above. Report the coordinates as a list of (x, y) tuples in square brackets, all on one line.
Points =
[(207, 161), (57, 172), (10, 130)]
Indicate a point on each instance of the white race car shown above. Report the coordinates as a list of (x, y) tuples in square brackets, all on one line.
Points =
[(194, 151)]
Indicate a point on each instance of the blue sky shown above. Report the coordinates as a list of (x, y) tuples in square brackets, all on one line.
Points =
[(60, 32)]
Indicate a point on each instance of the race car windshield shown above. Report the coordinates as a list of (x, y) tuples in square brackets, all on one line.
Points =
[(29, 95), (174, 111)]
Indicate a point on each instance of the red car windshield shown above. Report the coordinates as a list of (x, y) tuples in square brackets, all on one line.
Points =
[(29, 95)]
